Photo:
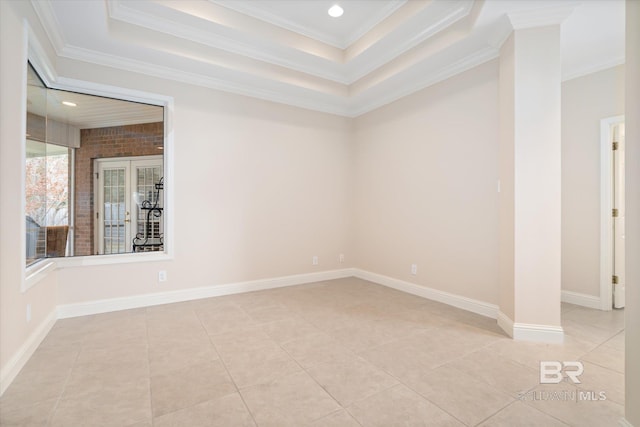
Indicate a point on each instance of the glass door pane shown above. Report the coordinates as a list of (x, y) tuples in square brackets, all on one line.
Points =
[(149, 205), (114, 212)]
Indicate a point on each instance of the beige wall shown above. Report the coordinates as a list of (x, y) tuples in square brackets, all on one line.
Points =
[(632, 129), (585, 102), (426, 186), (15, 331), (259, 190)]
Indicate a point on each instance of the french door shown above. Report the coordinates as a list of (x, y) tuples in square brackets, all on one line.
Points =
[(125, 189)]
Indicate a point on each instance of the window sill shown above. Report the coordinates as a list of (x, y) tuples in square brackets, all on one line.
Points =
[(38, 271), (79, 261)]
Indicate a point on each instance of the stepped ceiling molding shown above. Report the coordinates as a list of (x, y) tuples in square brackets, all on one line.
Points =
[(292, 52)]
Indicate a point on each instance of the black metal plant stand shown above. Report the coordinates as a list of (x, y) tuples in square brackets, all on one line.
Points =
[(148, 241)]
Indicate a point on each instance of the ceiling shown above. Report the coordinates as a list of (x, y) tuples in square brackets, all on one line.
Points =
[(292, 52), (89, 111)]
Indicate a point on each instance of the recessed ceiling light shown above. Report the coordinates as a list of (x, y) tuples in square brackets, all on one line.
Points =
[(335, 11), (69, 104)]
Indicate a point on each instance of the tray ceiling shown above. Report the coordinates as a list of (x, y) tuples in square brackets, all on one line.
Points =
[(292, 52)]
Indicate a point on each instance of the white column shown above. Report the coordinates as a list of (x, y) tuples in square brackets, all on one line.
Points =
[(530, 175)]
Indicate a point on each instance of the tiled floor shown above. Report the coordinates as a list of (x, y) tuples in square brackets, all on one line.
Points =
[(339, 353)]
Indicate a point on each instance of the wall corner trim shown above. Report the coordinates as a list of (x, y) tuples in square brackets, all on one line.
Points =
[(11, 370), (469, 304)]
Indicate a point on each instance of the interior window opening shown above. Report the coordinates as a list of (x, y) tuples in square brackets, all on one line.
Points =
[(75, 203)]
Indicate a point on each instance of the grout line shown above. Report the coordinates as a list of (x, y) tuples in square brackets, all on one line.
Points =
[(66, 382), (496, 412), (146, 324), (226, 368), (295, 314)]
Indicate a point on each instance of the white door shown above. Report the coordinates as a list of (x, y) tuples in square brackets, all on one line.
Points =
[(113, 216), (618, 217), (147, 217), (126, 191)]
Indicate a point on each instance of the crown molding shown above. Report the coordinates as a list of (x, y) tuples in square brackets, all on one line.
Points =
[(279, 92), (593, 68), (474, 48), (501, 32), (372, 22), (46, 15), (253, 87), (422, 27), (273, 19), (542, 17), (275, 55), (429, 22), (39, 59), (427, 79)]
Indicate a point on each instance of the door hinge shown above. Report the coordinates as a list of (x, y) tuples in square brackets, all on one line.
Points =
[(614, 279), (614, 213), (97, 215), (97, 175), (615, 145)]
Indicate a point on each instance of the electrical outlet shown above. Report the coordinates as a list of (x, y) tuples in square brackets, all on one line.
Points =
[(162, 276), (414, 269), (314, 260), (28, 313), (341, 258)]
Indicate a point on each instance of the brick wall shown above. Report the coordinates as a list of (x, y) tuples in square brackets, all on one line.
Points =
[(118, 141)]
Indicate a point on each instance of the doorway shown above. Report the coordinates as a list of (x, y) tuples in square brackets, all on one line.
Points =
[(125, 189), (612, 233)]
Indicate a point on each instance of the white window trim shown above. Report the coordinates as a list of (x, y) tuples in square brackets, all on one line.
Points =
[(34, 273)]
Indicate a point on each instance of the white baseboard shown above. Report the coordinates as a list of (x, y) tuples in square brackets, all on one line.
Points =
[(517, 331), (469, 304), (538, 333), (583, 300), (529, 332), (624, 423), (148, 300), (21, 357), (505, 323)]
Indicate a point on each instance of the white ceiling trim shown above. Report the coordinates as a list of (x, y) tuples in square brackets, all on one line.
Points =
[(466, 63), (263, 15), (422, 27), (477, 45), (318, 67), (266, 89), (375, 20), (40, 61), (430, 21), (258, 88), (273, 91), (593, 68), (46, 15), (529, 19), (553, 15)]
